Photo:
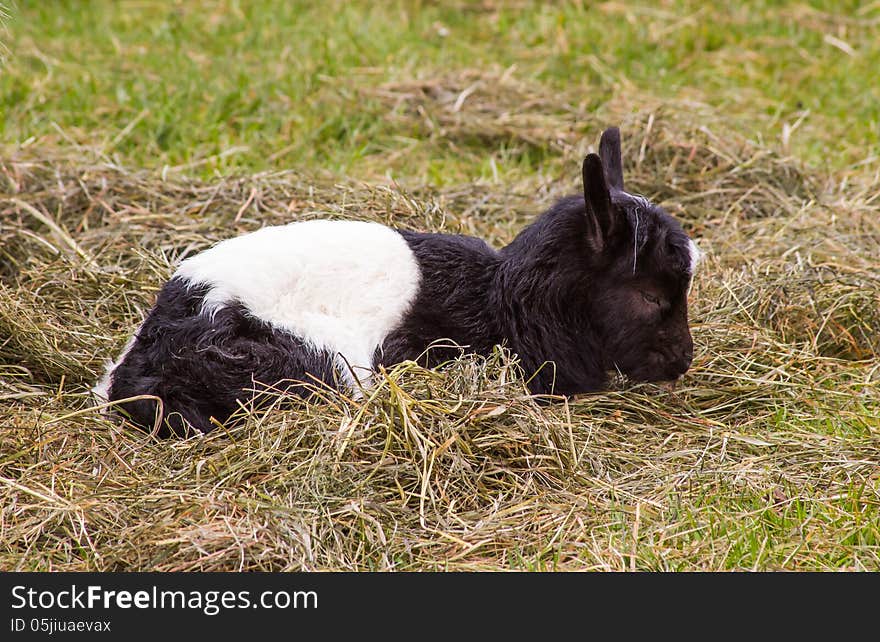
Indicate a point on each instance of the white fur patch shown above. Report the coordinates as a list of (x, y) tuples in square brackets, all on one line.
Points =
[(340, 286), (696, 256), (643, 202), (102, 388)]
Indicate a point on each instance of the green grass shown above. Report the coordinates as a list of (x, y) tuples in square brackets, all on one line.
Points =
[(157, 83), (133, 132)]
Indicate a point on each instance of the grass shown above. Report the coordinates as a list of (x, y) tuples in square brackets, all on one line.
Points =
[(136, 134), (279, 85)]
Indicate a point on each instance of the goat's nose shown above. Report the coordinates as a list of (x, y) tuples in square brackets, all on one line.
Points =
[(687, 352), (686, 358), (681, 359)]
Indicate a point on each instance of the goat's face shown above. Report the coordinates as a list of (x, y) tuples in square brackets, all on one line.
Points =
[(639, 301), (639, 289)]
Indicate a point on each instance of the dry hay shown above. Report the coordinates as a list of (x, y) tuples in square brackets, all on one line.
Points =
[(751, 462)]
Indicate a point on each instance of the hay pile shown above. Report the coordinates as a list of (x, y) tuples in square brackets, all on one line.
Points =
[(765, 456)]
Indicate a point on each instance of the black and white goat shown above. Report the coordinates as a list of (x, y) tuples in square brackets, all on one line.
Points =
[(597, 283)]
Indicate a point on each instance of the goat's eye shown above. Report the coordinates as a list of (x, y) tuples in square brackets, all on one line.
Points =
[(650, 298)]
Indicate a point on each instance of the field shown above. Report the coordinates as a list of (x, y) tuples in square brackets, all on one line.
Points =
[(134, 134)]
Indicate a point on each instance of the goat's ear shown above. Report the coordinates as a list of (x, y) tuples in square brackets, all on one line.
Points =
[(600, 213), (609, 151)]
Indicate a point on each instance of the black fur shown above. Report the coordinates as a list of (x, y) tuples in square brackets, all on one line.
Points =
[(202, 366), (458, 274), (570, 313)]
